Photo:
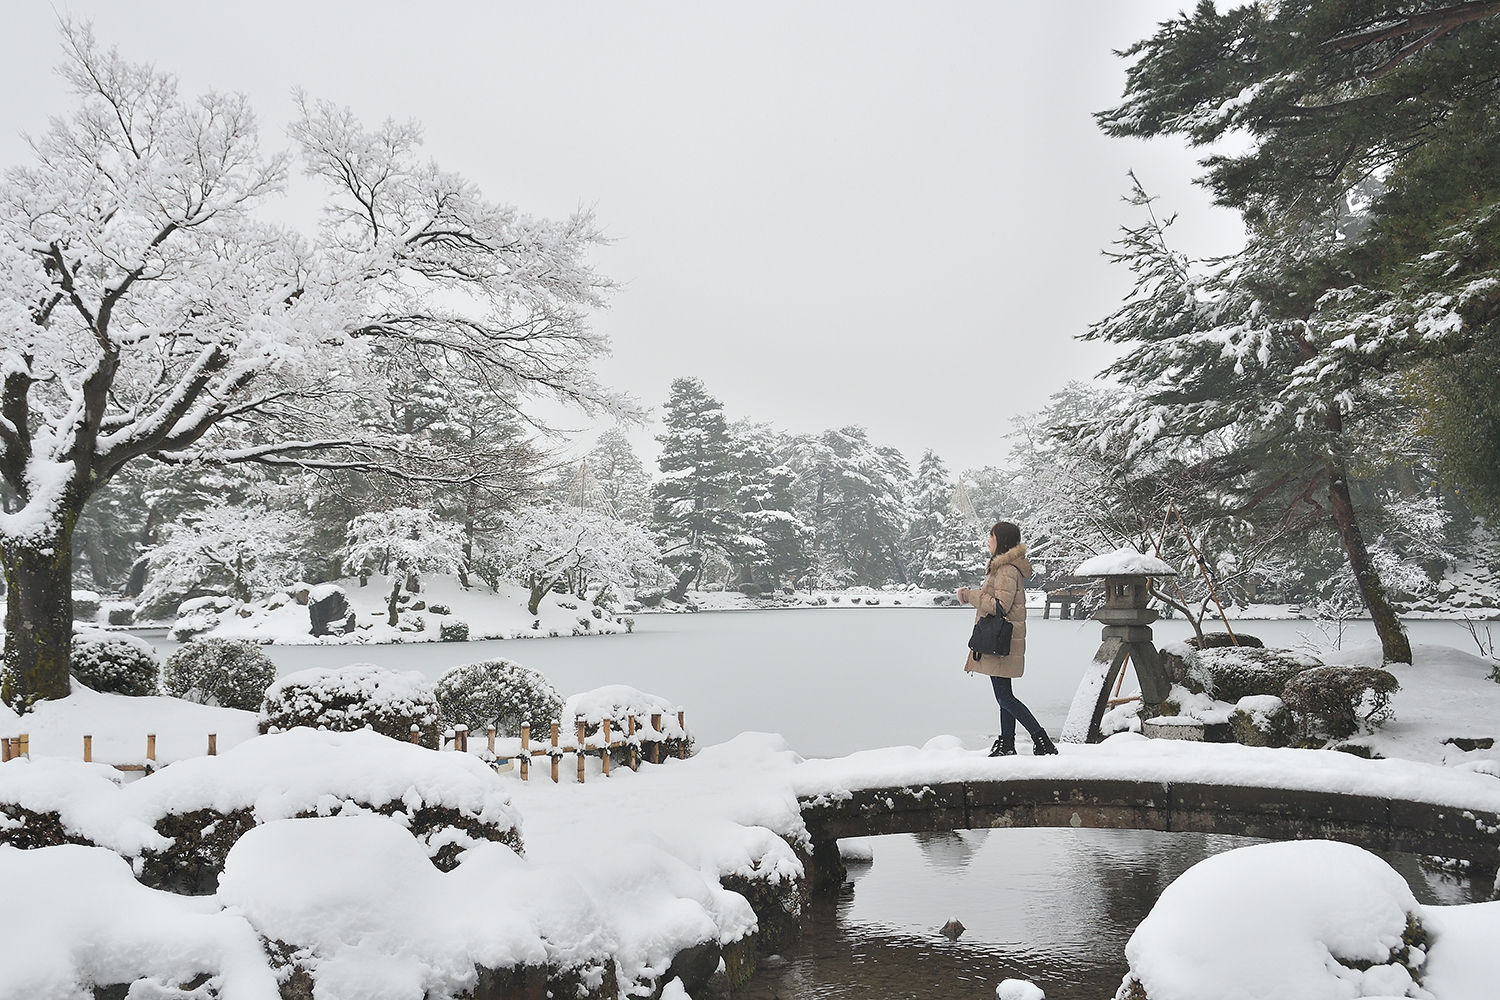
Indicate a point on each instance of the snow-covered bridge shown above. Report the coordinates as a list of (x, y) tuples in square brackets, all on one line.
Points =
[(1155, 785)]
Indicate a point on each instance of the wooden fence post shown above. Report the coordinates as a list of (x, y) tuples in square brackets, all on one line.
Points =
[(213, 744), (490, 731), (525, 749), (682, 746), (461, 738), (630, 738), (604, 753), (23, 746), (88, 748), (414, 732), (554, 754), (150, 751), (656, 743), (582, 739), (4, 749)]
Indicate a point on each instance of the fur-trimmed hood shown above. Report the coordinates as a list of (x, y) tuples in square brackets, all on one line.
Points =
[(1015, 555)]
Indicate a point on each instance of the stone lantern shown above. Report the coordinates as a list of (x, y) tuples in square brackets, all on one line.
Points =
[(1126, 636)]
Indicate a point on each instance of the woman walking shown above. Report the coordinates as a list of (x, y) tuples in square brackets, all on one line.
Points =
[(1004, 586)]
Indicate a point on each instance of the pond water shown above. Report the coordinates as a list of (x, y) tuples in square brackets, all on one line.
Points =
[(1052, 906)]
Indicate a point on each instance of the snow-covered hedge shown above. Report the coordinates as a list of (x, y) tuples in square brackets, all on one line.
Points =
[(1336, 702), (115, 663), (359, 696), (499, 692), (225, 672), (178, 824)]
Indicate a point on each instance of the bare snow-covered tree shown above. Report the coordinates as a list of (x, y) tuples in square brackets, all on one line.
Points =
[(402, 542), (242, 551), (145, 310), (586, 549)]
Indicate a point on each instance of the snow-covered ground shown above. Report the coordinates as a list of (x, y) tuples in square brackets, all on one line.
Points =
[(627, 868), (489, 614)]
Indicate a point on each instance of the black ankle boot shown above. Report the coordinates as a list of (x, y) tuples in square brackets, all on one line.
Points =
[(1005, 747), (1041, 745)]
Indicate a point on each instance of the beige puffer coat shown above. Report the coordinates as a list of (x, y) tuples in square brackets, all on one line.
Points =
[(1005, 582)]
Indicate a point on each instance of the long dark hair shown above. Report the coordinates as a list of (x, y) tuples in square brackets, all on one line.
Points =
[(1007, 536)]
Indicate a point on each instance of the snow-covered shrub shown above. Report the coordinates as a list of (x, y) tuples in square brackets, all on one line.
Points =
[(114, 663), (344, 699), (1262, 720), (439, 609), (196, 616), (617, 703), (1234, 672), (498, 692), (1337, 701), (85, 605), (1222, 640), (453, 631), (229, 673)]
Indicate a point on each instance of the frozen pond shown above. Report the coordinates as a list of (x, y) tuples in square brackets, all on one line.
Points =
[(1053, 906), (830, 681)]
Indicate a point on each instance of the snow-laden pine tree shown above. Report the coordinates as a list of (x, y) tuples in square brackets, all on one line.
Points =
[(853, 495), (624, 485), (694, 508), (148, 308), (1365, 170), (943, 548), (772, 547)]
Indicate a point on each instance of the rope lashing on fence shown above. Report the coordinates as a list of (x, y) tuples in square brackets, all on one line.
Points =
[(12, 747), (633, 741)]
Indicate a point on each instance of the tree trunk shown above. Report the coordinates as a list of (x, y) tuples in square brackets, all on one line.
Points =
[(38, 619), (1394, 644), (539, 588), (395, 604)]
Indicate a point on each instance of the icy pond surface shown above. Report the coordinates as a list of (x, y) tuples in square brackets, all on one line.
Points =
[(1053, 906)]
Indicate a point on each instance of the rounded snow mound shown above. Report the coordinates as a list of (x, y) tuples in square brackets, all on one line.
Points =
[(1316, 920)]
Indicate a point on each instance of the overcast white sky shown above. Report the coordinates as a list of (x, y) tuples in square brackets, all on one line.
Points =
[(888, 214)]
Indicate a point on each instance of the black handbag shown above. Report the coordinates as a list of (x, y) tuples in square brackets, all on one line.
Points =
[(991, 636)]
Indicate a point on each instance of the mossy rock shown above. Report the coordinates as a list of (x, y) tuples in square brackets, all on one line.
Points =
[(1234, 672), (1263, 721)]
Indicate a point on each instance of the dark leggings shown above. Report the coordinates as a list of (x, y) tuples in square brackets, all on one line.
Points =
[(1011, 709)]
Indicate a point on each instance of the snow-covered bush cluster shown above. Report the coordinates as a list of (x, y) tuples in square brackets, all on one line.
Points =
[(115, 663), (359, 696), (223, 672), (498, 692)]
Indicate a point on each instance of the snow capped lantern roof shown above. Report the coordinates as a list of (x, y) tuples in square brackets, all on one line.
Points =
[(1124, 561)]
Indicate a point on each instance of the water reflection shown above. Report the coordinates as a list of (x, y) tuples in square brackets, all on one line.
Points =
[(1052, 906)]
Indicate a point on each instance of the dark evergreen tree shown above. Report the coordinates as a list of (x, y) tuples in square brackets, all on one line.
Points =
[(1372, 197), (694, 508), (772, 547), (623, 485), (853, 494), (942, 547)]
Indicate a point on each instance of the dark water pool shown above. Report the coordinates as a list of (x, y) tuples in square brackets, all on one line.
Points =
[(1052, 906)]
